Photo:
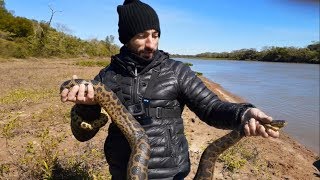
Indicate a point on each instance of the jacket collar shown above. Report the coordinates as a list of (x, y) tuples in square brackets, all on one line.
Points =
[(135, 64)]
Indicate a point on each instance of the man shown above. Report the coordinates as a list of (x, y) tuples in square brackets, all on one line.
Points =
[(155, 89)]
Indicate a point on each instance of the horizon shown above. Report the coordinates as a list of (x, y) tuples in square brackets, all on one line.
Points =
[(190, 28)]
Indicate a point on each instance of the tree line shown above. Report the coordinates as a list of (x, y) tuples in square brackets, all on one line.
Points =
[(21, 38), (309, 54)]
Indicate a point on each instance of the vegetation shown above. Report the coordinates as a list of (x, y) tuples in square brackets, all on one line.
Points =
[(310, 54), (91, 63), (22, 38), (197, 73)]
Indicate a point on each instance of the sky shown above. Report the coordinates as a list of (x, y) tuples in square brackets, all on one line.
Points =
[(188, 26)]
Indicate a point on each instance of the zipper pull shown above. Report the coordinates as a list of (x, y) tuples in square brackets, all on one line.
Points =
[(135, 71)]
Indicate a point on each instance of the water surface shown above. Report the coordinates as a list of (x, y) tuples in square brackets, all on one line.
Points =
[(283, 90)]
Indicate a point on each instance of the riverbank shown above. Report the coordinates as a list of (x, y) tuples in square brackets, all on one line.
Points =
[(37, 141)]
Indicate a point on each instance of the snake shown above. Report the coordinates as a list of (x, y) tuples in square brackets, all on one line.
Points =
[(137, 167), (210, 155), (128, 125)]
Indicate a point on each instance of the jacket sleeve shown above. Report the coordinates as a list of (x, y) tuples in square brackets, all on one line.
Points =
[(206, 104), (87, 112)]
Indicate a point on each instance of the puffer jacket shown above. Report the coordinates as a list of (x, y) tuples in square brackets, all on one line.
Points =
[(175, 86)]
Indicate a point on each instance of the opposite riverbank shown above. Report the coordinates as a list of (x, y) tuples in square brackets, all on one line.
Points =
[(37, 141)]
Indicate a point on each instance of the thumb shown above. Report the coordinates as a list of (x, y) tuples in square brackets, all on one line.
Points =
[(261, 116), (74, 77)]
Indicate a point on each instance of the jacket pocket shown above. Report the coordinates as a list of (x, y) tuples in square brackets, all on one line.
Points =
[(169, 143)]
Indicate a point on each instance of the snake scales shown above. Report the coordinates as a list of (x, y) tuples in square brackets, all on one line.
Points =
[(138, 140)]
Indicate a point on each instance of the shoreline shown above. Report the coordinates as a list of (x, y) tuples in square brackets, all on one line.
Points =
[(225, 95), (281, 158)]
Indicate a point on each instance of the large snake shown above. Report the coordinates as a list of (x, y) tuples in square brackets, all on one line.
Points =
[(208, 158), (138, 140), (129, 126)]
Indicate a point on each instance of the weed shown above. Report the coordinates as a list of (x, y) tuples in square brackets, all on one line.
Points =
[(237, 156), (39, 159), (8, 128), (4, 169)]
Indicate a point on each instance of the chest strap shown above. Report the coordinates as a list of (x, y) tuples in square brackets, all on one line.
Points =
[(160, 112)]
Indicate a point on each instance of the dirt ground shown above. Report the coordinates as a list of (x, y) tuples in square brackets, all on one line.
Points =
[(37, 143)]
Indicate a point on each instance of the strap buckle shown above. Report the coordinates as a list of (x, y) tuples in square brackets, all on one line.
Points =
[(158, 112)]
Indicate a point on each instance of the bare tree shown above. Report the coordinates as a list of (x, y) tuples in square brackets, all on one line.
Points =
[(52, 14)]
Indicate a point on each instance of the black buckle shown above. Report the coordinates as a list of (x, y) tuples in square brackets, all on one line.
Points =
[(137, 109), (158, 112)]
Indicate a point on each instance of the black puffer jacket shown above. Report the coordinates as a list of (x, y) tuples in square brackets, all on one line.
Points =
[(174, 87)]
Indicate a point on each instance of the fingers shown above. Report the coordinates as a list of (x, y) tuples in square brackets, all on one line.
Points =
[(250, 128), (80, 94), (90, 94), (72, 95), (256, 129), (64, 95), (262, 131), (85, 94), (74, 77), (272, 133)]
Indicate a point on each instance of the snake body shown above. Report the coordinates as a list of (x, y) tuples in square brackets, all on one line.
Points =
[(208, 158), (138, 140), (129, 126)]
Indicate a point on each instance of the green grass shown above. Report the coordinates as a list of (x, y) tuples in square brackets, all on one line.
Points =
[(92, 63), (22, 95), (238, 155)]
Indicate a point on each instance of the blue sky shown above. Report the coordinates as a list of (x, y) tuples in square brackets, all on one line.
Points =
[(189, 27)]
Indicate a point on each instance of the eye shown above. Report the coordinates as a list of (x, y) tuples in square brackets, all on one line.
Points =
[(140, 35), (155, 35)]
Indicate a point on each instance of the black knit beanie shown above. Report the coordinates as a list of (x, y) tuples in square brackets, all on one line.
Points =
[(136, 17)]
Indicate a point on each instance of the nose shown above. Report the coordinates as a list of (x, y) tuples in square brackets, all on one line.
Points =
[(150, 42)]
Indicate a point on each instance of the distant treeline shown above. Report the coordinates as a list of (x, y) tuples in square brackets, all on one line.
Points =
[(22, 38), (310, 54)]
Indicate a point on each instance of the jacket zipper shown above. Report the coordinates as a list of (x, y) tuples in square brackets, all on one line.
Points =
[(135, 86)]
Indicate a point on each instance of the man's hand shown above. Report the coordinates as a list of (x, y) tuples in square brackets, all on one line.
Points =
[(254, 119), (78, 95)]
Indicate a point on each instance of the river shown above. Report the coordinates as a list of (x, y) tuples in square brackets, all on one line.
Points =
[(283, 90)]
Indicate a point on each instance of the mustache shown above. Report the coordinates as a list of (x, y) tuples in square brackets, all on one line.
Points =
[(149, 50)]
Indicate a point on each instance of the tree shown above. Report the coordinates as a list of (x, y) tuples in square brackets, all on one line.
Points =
[(315, 46), (2, 4)]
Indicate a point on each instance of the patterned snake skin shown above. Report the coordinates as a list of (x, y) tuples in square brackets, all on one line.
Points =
[(134, 133), (211, 153), (138, 140)]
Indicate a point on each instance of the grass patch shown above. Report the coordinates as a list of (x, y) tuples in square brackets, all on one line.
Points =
[(239, 155), (22, 95), (40, 157), (44, 159), (92, 63)]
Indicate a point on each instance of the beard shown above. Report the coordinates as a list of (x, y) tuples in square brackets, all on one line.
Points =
[(146, 53)]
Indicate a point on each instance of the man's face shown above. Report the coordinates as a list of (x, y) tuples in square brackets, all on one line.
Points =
[(144, 44)]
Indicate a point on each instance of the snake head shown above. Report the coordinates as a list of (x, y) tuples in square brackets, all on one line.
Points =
[(73, 82), (275, 125)]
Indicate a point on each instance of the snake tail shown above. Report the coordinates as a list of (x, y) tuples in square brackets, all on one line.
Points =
[(210, 155)]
